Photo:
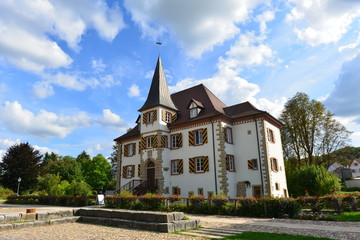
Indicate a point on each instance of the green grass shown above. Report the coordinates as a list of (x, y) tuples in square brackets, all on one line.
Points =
[(348, 216), (271, 236)]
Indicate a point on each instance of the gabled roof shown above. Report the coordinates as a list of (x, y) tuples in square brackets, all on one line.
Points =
[(132, 133), (159, 90), (211, 105), (242, 110)]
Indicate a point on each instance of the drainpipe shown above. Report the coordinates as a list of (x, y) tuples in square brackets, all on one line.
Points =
[(258, 145), (215, 170), (118, 170)]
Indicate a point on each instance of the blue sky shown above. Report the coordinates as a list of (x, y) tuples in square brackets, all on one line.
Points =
[(74, 73)]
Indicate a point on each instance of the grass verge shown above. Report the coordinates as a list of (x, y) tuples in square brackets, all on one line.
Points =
[(271, 236), (348, 216)]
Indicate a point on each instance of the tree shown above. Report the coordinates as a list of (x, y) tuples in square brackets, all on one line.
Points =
[(310, 133), (315, 180), (113, 159), (68, 169), (21, 160), (97, 172)]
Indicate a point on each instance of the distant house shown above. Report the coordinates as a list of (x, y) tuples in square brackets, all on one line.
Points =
[(190, 142), (355, 168), (342, 171)]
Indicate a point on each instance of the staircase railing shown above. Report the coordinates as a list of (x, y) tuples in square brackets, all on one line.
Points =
[(139, 187)]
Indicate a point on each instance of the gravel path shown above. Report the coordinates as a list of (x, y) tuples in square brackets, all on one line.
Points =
[(75, 231)]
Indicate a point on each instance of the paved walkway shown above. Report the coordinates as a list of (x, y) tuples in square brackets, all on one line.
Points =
[(329, 229)]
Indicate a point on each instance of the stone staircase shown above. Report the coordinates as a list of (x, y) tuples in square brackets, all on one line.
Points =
[(211, 233)]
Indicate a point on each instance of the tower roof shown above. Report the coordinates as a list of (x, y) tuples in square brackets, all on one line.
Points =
[(159, 90)]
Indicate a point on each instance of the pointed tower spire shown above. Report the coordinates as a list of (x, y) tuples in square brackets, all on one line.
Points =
[(159, 91)]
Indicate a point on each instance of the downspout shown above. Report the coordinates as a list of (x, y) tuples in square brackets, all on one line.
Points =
[(260, 166), (215, 170), (119, 166)]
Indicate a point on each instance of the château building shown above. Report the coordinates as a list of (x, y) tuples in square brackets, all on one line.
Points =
[(190, 142)]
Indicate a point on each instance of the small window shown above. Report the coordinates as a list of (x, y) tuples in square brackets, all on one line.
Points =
[(228, 135), (149, 117), (176, 191), (200, 191), (199, 164), (249, 132), (277, 186), (149, 142), (274, 164), (271, 136), (353, 170), (210, 194), (230, 163), (198, 137), (168, 116), (193, 112), (129, 171), (355, 164), (252, 164), (175, 141), (129, 150), (175, 167), (190, 193)]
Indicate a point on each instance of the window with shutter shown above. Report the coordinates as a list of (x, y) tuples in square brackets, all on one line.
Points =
[(199, 164), (176, 141), (252, 164), (228, 135), (176, 167), (230, 163)]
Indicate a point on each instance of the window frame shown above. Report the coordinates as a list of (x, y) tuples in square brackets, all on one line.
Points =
[(274, 163), (130, 151), (231, 160), (229, 139), (198, 132), (174, 163), (271, 135), (176, 136), (128, 171), (201, 165), (168, 117), (147, 141), (149, 117)]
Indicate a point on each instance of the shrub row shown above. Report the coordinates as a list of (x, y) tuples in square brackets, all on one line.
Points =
[(251, 207), (53, 200)]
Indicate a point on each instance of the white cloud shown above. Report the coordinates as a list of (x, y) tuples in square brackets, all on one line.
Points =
[(98, 65), (351, 50), (134, 91), (43, 89), (263, 18), (322, 21), (344, 99), (112, 120), (27, 31), (43, 125), (206, 23)]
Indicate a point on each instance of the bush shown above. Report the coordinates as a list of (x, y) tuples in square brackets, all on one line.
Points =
[(5, 192), (312, 180), (78, 188), (152, 201)]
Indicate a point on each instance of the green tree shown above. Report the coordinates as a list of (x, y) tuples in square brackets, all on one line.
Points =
[(78, 188), (67, 168), (45, 163), (98, 172), (313, 179), (83, 158), (310, 133), (52, 184), (21, 160), (113, 159)]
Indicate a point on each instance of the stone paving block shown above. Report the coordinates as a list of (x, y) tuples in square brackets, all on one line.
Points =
[(71, 219), (12, 218), (165, 227), (22, 225), (178, 216), (6, 227), (41, 223), (190, 224), (145, 226), (42, 216), (66, 213), (118, 214), (104, 213), (28, 217), (164, 217), (179, 225), (147, 217), (2, 219), (57, 221)]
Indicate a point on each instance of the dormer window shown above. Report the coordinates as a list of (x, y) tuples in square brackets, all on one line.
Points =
[(194, 108)]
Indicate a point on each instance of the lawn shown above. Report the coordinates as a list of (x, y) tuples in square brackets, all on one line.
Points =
[(272, 236), (348, 216)]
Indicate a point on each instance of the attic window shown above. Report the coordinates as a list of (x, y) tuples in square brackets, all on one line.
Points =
[(194, 110)]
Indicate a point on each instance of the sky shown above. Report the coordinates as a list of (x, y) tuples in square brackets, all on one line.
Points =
[(74, 73)]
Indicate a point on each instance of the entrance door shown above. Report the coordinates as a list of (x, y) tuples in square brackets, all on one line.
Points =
[(257, 191), (150, 170)]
